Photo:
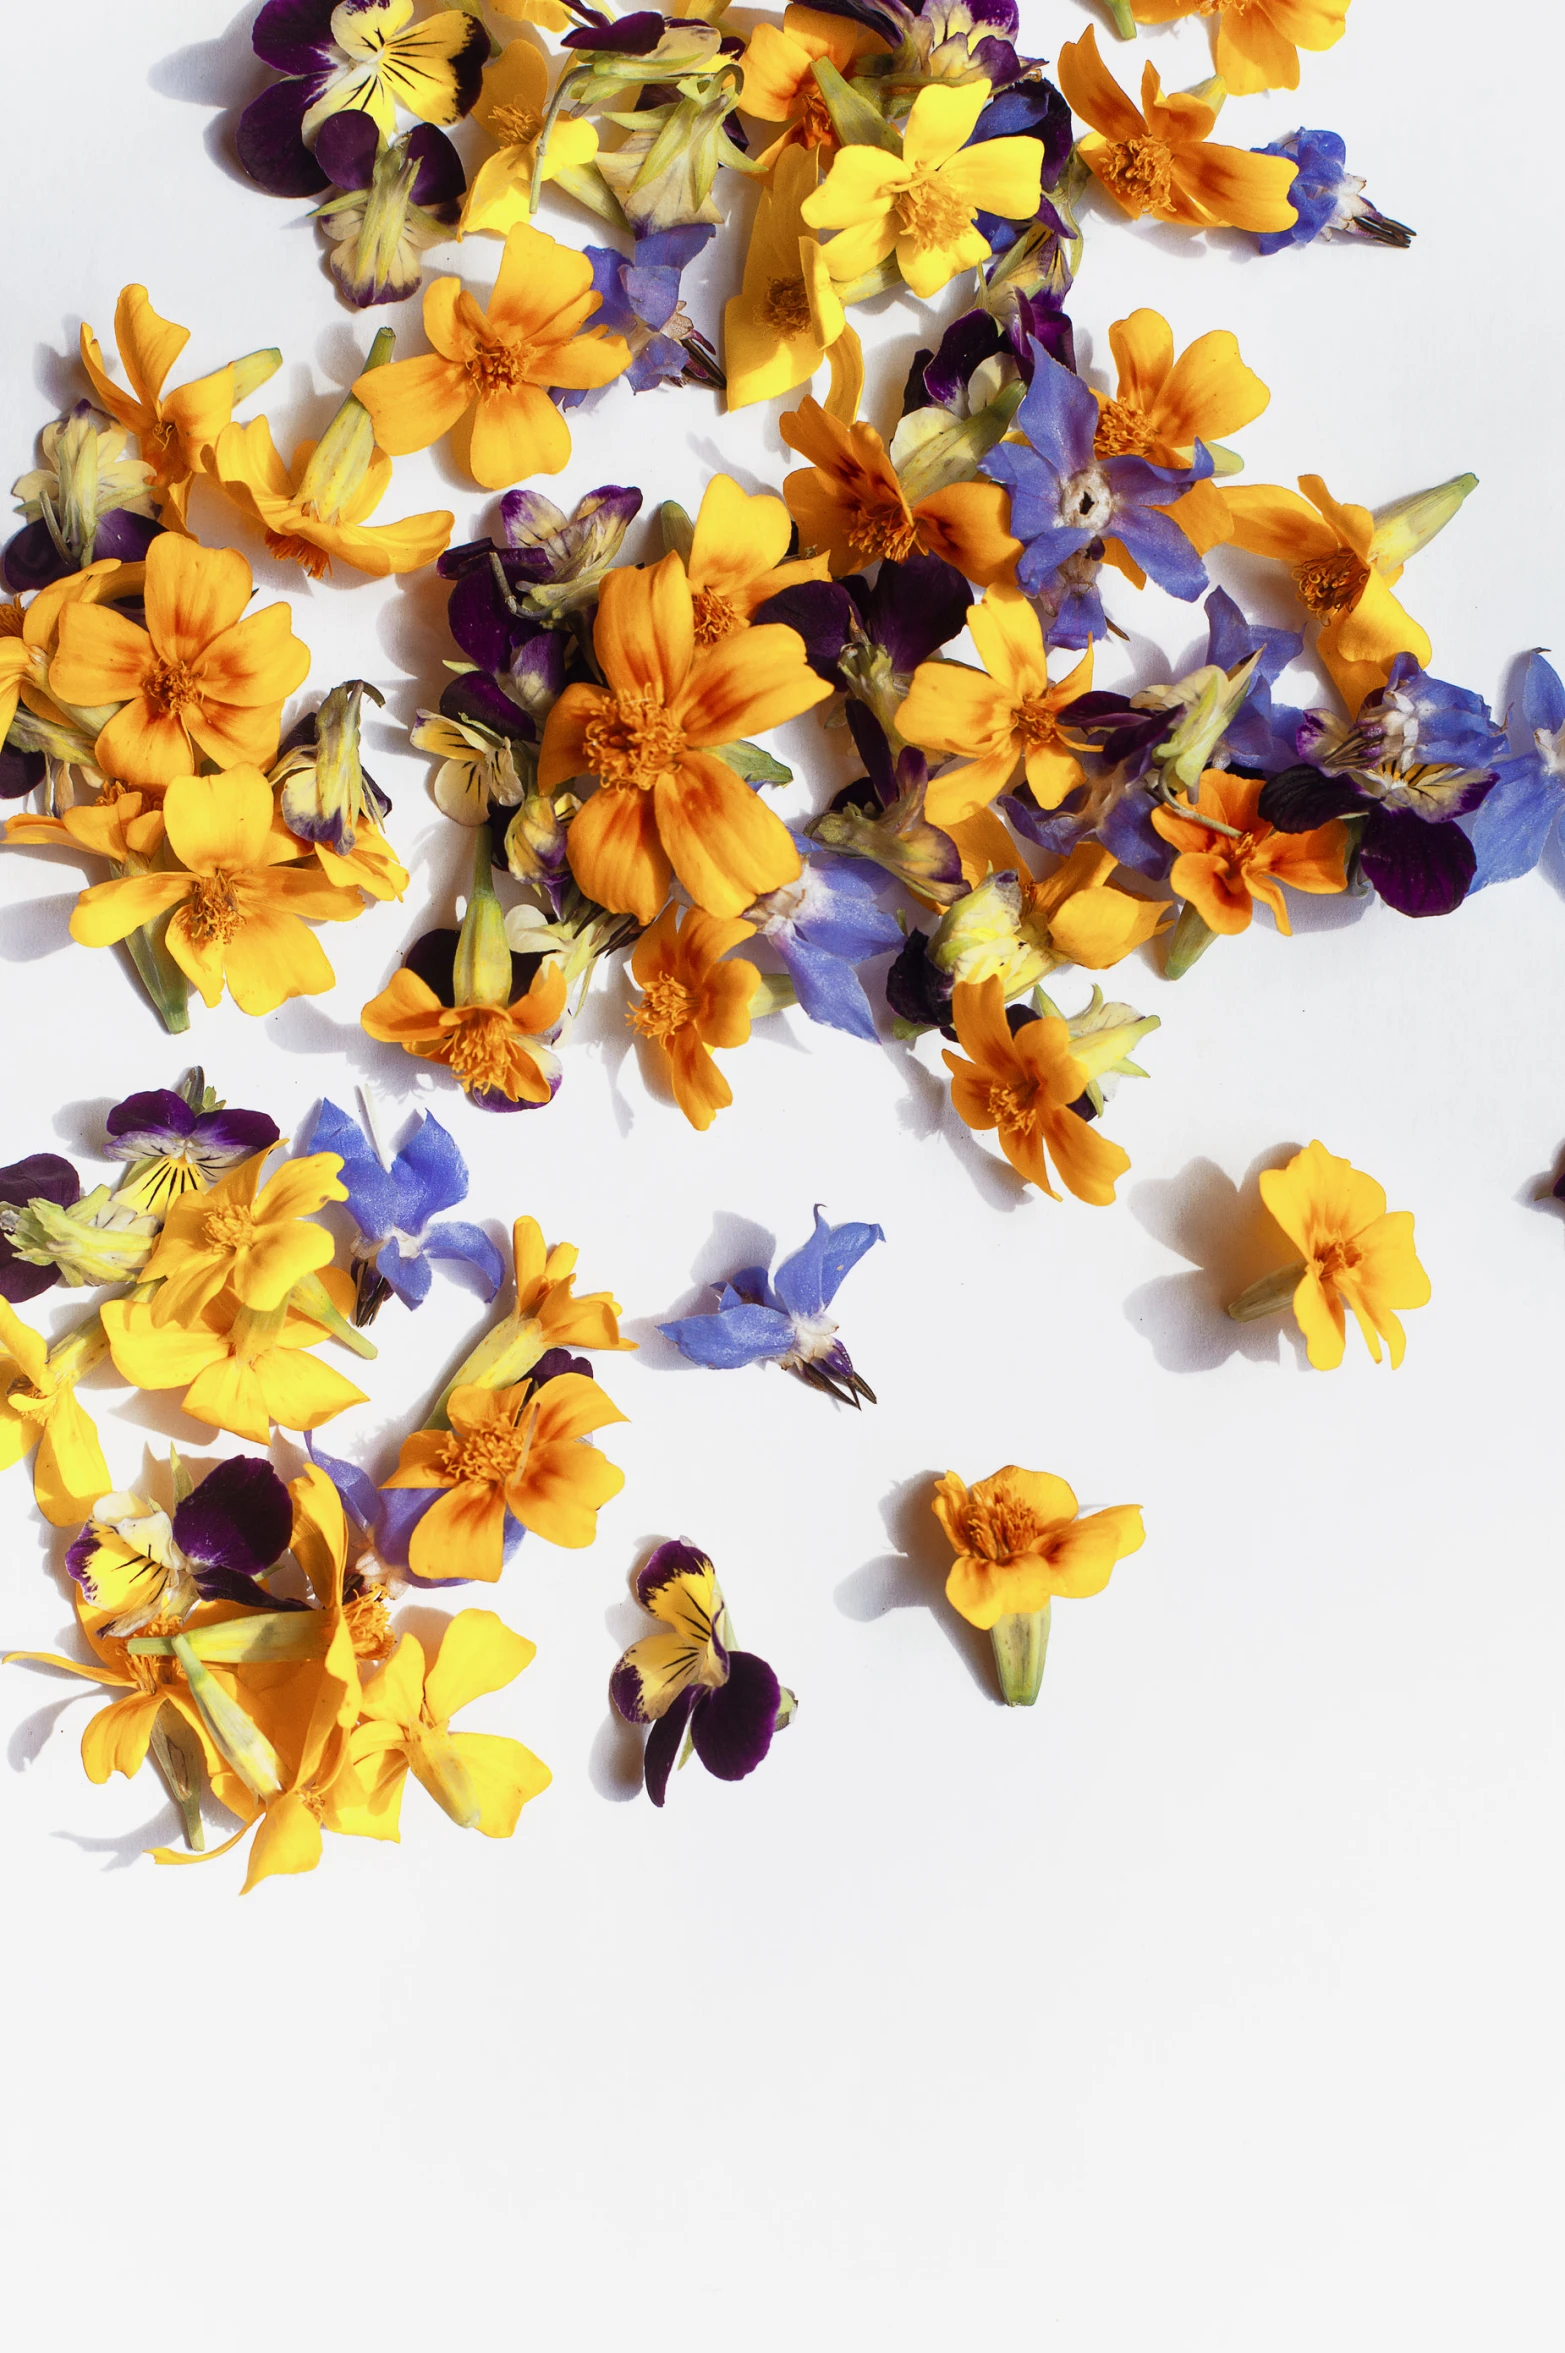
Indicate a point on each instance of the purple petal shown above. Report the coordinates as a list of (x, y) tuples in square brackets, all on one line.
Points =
[(433, 958), (158, 1111), (673, 249), (294, 35), (233, 1135), (828, 989), (482, 699), (270, 141), (1059, 416), (33, 560), (663, 1741), (822, 612), (239, 1518), (124, 536), (372, 1191), (1303, 797), (409, 1277), (732, 1727), (1542, 696), (468, 1244), (346, 146), (1511, 831), (627, 36), (216, 1584), (677, 1558), (42, 1176), (20, 773), (361, 1498), (1418, 868), (440, 179), (915, 608), (1158, 545)]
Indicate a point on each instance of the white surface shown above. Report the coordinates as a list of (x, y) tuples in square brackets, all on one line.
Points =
[(1214, 2003)]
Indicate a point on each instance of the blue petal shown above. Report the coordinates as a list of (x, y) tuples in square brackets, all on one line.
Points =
[(430, 1175), (1511, 831), (850, 923), (735, 1336), (1542, 697), (454, 1238), (1059, 415), (829, 989), (372, 1193), (361, 1498), (408, 1273), (1161, 549), (807, 1282)]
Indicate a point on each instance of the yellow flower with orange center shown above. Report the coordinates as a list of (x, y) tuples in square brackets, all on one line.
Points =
[(1256, 43), (259, 1238), (736, 558), (849, 503), (519, 1450), (174, 431), (1341, 580), (694, 996), (511, 108), (1160, 159), (667, 803), (1019, 1541), (999, 720), (787, 315), (1354, 1255), (302, 528), (1022, 1087), (1222, 869)]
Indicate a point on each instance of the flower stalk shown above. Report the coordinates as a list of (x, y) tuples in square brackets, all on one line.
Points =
[(1270, 1295), (1021, 1645)]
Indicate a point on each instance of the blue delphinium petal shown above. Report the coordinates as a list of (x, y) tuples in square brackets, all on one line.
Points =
[(1059, 417), (1511, 831), (454, 1238), (362, 1500), (372, 1190), (1542, 704), (807, 1282), (734, 1336)]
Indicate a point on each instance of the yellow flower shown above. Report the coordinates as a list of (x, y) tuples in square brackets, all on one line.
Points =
[(1354, 1254), (115, 1739), (39, 1408), (999, 719), (241, 1368), (1161, 160), (119, 826), (693, 996), (305, 522), (520, 1451), (786, 316), (28, 638), (736, 558), (777, 85), (480, 1780), (174, 431), (1024, 1085), (261, 1242), (238, 905), (199, 676), (511, 109), (382, 61), (1018, 1542), (1256, 43), (1342, 578), (922, 204), (500, 363)]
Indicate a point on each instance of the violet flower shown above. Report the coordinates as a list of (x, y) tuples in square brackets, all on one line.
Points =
[(225, 1536), (180, 1143), (396, 1205), (690, 1678), (395, 200), (943, 40), (641, 300), (782, 1319), (42, 1176), (433, 67), (1327, 197)]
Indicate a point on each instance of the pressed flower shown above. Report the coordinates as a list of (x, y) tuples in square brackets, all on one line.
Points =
[(201, 677), (782, 1319), (849, 503), (1256, 43), (257, 1239), (362, 56), (1224, 866), (1019, 1541), (667, 803), (520, 1451), (511, 108), (552, 564), (787, 315), (736, 558), (180, 1143), (86, 499), (175, 430), (135, 1563), (394, 1205), (1025, 1086), (1161, 159), (1354, 1253), (694, 996), (39, 1410), (237, 912), (778, 86), (999, 720), (922, 205), (395, 201), (501, 363), (42, 1176), (690, 1678), (481, 1780), (241, 1368)]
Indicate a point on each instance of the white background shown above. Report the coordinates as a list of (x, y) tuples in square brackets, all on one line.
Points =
[(1212, 2003)]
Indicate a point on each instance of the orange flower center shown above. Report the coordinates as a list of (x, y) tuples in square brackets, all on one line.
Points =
[(229, 1227), (169, 686), (928, 213), (482, 1048), (484, 1458), (210, 912), (1011, 1106), (814, 121), (1331, 1260), (1000, 1528), (368, 1622), (1034, 720), (496, 367), (882, 528), (666, 1007), (513, 126), (787, 306), (11, 619), (634, 740), (1139, 172), (1331, 585), (715, 616), (1123, 431), (289, 550)]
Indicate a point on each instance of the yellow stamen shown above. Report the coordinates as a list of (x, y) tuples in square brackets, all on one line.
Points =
[(1331, 585), (715, 616), (1123, 431), (210, 912), (787, 306), (290, 550), (487, 1457), (634, 741), (930, 214), (666, 1007), (1036, 722), (1001, 1528), (229, 1227), (481, 1043), (1138, 170), (513, 126), (496, 367), (169, 686), (882, 530), (1010, 1107)]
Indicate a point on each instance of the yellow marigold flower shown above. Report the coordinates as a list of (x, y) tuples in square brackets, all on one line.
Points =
[(777, 86), (1222, 873), (1341, 577), (519, 1450), (1256, 43), (1023, 1087), (200, 676), (511, 108), (39, 1408), (786, 316), (1019, 1541), (736, 558), (500, 363), (241, 1368), (238, 905), (667, 803), (999, 719), (1161, 160), (693, 997), (489, 1049), (1162, 406), (849, 503), (123, 826), (1354, 1253), (174, 431), (256, 1237), (921, 204), (481, 1780), (29, 635), (116, 1738), (305, 522)]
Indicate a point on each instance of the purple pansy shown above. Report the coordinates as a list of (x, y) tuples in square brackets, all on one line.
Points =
[(782, 1318), (34, 558), (225, 1536), (42, 1176), (396, 1209), (395, 200), (1327, 197), (278, 130), (176, 1147), (691, 1678), (1511, 831)]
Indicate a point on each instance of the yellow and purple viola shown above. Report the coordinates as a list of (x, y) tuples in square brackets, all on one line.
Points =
[(687, 1681)]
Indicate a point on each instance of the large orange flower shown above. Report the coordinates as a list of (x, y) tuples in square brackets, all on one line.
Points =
[(1024, 1086), (1222, 873), (694, 996), (516, 1450), (1159, 159), (198, 678), (849, 502), (778, 85), (667, 804)]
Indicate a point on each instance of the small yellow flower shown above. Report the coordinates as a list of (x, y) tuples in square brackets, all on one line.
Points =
[(999, 720), (261, 1242), (1019, 1541), (175, 430), (241, 1368), (1354, 1253), (511, 109), (736, 558), (479, 1779), (787, 315), (1159, 158), (39, 1408), (519, 1451), (1256, 43), (1343, 574), (305, 524)]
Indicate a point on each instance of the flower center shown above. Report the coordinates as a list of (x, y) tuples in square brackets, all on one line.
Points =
[(1010, 1106), (514, 126), (715, 616), (814, 120), (169, 686), (229, 1227), (884, 528), (481, 1042), (930, 214), (210, 912), (1123, 431), (1139, 172), (496, 367), (368, 1622), (787, 306), (485, 1458), (1001, 1528), (1333, 1259), (1331, 585), (289, 550), (1086, 502), (1035, 722), (634, 740), (666, 1007)]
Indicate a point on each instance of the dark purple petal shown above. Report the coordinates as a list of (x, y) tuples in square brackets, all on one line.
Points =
[(915, 608), (964, 346), (235, 1134), (42, 1176), (238, 1519), (556, 1361), (124, 536), (480, 620), (869, 741), (218, 1584), (294, 35), (78, 1561), (916, 988), (625, 1694), (270, 142), (822, 613), (673, 249), (1303, 797), (479, 698), (32, 559), (158, 1111), (628, 36), (433, 958), (663, 1743), (20, 773), (1041, 320), (1418, 868), (678, 1558), (346, 146), (732, 1727), (1036, 110), (467, 67), (440, 179)]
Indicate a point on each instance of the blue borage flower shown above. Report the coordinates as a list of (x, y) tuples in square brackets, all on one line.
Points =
[(180, 1143), (1057, 475), (1511, 831), (395, 1207), (1328, 199), (782, 1319), (821, 927), (360, 56), (641, 300), (691, 1679), (227, 1534)]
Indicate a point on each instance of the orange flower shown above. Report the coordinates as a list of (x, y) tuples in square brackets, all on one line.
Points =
[(1256, 43), (515, 1450), (1341, 573), (667, 803), (692, 1000), (199, 677), (1162, 406), (735, 560), (999, 719), (1018, 1542), (491, 1049), (777, 84), (850, 503), (1221, 874), (1159, 160), (1023, 1086), (174, 433)]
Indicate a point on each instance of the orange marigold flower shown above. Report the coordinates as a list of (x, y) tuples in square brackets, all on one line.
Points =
[(1018, 1542), (691, 1000), (1221, 874), (519, 1450), (174, 431), (736, 558), (999, 719), (1343, 573), (1256, 43), (777, 85), (849, 502), (1160, 159), (490, 1049), (1353, 1253), (1023, 1086)]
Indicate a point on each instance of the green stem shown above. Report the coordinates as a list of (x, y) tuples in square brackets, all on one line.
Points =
[(1191, 938), (1124, 22), (1269, 1296), (1021, 1644), (311, 1297), (160, 976)]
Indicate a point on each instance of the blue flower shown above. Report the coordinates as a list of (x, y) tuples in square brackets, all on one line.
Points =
[(641, 300), (1327, 197), (782, 1319), (821, 926), (1065, 500), (393, 1206), (1511, 831)]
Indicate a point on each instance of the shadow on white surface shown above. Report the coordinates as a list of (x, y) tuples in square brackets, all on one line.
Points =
[(224, 72), (927, 1112), (914, 1577), (1230, 1240), (36, 928)]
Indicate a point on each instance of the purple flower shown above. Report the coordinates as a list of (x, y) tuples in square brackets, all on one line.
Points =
[(396, 199), (278, 130), (1326, 196), (395, 1206), (43, 1176), (641, 300), (1511, 830), (690, 1677), (782, 1319), (227, 1534), (180, 1143), (871, 638)]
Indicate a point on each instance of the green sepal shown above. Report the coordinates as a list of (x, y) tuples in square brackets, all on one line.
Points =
[(310, 1297), (160, 976), (1191, 937), (1021, 1646), (855, 121), (177, 1754), (749, 761)]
